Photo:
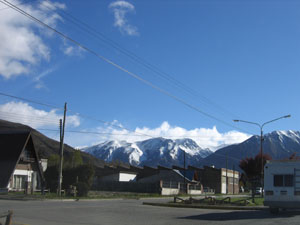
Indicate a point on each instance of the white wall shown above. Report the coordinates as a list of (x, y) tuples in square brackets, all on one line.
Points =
[(279, 168), (194, 192), (169, 191), (126, 177), (121, 177), (27, 173)]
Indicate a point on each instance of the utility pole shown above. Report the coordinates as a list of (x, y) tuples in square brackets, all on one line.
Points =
[(184, 184), (233, 172), (61, 148), (226, 173)]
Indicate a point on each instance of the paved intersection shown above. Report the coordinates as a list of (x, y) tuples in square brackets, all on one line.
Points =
[(131, 212)]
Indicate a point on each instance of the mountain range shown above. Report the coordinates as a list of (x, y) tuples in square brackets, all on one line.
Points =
[(277, 144), (151, 152), (167, 152)]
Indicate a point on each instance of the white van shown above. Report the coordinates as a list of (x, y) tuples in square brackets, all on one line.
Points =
[(282, 184)]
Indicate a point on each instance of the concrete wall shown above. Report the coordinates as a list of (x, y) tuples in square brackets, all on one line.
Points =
[(109, 178), (194, 192), (169, 191), (126, 187)]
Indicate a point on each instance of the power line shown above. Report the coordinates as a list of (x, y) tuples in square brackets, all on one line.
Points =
[(23, 116), (23, 3), (127, 134), (91, 132), (100, 36), (44, 121), (117, 66), (17, 116), (30, 100)]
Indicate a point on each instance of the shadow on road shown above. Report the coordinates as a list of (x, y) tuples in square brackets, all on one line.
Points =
[(242, 215)]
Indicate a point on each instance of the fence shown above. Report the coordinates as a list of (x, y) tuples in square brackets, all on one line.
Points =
[(127, 187), (194, 187), (8, 216), (169, 184), (162, 187)]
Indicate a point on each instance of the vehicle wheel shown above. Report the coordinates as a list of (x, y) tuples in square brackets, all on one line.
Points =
[(274, 210)]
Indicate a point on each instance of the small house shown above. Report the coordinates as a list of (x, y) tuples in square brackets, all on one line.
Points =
[(20, 167)]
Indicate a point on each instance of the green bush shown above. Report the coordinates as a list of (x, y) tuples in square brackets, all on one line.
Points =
[(51, 177)]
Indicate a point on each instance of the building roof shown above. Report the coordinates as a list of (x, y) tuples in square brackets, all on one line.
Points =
[(11, 146), (188, 174)]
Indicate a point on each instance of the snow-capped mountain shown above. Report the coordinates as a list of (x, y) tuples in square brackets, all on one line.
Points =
[(151, 152), (278, 144)]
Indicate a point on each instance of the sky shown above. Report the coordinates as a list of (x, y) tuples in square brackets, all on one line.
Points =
[(138, 69)]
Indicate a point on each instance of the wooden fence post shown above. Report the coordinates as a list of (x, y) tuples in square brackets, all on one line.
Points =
[(9, 218)]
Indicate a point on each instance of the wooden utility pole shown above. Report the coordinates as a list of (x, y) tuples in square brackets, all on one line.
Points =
[(184, 175), (61, 149), (226, 172), (233, 172)]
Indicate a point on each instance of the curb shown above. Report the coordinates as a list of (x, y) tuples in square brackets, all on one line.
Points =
[(179, 205)]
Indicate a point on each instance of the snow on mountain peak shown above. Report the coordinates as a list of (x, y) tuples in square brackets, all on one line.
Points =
[(156, 149)]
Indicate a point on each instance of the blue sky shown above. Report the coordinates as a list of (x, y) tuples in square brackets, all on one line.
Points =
[(237, 60)]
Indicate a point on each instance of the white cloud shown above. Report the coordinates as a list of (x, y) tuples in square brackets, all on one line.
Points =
[(20, 112), (22, 46), (205, 137), (39, 84), (120, 9)]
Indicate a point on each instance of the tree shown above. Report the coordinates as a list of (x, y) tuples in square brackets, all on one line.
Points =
[(76, 158), (80, 176), (252, 166), (294, 156), (51, 177), (53, 160)]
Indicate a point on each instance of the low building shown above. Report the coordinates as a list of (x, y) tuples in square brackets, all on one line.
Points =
[(221, 181), (20, 167), (115, 174), (172, 181)]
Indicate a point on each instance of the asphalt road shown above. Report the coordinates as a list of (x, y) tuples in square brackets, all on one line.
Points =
[(132, 212)]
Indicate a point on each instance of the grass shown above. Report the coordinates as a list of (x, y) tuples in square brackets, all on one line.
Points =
[(258, 201), (124, 195), (91, 195)]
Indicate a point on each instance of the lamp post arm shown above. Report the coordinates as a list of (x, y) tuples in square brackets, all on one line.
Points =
[(244, 121), (274, 120)]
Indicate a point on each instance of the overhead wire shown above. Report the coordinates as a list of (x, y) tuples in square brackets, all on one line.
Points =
[(17, 116), (24, 116), (118, 66), (31, 101), (22, 3), (100, 36)]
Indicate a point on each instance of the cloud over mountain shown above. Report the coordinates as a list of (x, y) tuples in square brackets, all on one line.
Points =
[(205, 137)]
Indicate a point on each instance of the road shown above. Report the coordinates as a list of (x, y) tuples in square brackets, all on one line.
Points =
[(132, 212)]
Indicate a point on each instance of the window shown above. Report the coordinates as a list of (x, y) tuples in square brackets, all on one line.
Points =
[(278, 180), (19, 181), (223, 180), (283, 180), (289, 180)]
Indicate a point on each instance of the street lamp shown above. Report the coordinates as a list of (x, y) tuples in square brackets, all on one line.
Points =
[(261, 141)]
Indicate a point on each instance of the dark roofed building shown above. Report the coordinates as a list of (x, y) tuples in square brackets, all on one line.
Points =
[(20, 167)]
